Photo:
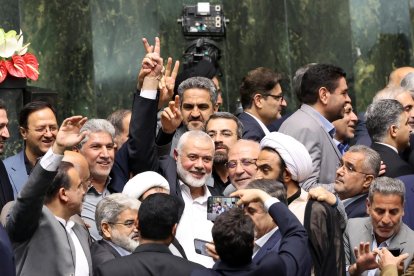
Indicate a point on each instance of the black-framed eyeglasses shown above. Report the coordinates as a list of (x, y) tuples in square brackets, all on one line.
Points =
[(128, 223), (277, 98), (245, 162)]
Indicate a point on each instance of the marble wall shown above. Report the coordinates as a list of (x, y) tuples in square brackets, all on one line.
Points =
[(90, 50)]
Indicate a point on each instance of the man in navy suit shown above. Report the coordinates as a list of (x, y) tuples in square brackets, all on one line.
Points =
[(234, 245), (262, 100), (360, 166)]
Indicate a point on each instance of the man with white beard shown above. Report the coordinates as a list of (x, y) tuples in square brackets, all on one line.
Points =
[(116, 220)]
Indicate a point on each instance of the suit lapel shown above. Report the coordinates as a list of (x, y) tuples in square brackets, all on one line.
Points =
[(84, 241)]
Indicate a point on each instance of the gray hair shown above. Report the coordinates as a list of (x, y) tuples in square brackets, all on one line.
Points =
[(387, 186), (228, 116), (389, 93), (193, 135), (116, 119), (297, 78), (97, 125), (372, 160), (201, 83), (273, 187), (109, 208), (380, 116)]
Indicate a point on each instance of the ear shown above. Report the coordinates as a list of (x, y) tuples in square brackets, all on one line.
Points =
[(257, 100), (216, 108), (324, 95), (393, 131), (174, 229), (368, 205), (175, 154), (62, 195), (106, 230), (367, 182), (287, 176), (23, 132)]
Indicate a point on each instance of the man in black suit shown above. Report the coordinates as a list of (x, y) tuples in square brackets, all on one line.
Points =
[(360, 166), (233, 235), (116, 221), (387, 124), (157, 223), (262, 100)]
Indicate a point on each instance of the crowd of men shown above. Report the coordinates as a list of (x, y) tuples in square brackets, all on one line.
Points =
[(320, 191)]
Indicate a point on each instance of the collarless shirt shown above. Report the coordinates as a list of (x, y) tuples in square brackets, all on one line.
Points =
[(81, 262), (194, 225), (264, 128)]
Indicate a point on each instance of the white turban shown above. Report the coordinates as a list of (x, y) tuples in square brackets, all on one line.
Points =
[(142, 182), (293, 153)]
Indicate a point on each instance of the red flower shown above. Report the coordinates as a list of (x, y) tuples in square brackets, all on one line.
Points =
[(16, 66), (32, 66), (3, 71)]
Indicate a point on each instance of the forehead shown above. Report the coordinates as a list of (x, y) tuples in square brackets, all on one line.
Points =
[(128, 214), (244, 149), (39, 116), (355, 158), (198, 146), (196, 96), (383, 201), (3, 116), (221, 124), (101, 137), (268, 157)]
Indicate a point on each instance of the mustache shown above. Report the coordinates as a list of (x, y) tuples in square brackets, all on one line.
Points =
[(220, 145)]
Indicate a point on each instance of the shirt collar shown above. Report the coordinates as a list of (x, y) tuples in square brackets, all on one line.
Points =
[(104, 192), (67, 224), (328, 126), (264, 128), (260, 242), (201, 199)]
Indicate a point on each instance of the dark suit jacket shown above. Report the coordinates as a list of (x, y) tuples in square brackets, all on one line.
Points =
[(272, 245), (101, 252), (148, 259), (358, 208), (41, 243), (396, 166), (7, 266), (292, 255), (6, 191), (408, 217), (251, 128)]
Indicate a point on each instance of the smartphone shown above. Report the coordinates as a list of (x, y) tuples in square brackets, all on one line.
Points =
[(395, 251), (216, 205), (200, 247)]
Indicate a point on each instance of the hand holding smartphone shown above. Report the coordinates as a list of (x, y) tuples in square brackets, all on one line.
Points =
[(200, 247)]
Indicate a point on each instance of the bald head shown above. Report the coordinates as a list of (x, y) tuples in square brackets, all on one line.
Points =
[(397, 75), (79, 162)]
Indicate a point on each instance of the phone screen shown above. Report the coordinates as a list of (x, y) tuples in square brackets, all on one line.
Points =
[(216, 205), (200, 247)]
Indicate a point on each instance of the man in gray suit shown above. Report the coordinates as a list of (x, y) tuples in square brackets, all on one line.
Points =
[(384, 228), (323, 94), (45, 240)]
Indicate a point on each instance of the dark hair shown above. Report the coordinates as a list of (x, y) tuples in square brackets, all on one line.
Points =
[(116, 119), (257, 81), (2, 105), (271, 186), (317, 76), (30, 108), (61, 180), (297, 78), (233, 235), (228, 116), (157, 215)]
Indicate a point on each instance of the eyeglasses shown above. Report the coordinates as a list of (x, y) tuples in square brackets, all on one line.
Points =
[(277, 98), (349, 168), (128, 223), (45, 129), (245, 162)]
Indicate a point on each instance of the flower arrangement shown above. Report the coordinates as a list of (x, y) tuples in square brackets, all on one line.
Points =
[(14, 58)]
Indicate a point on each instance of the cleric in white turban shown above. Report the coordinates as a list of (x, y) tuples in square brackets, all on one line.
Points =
[(146, 183)]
